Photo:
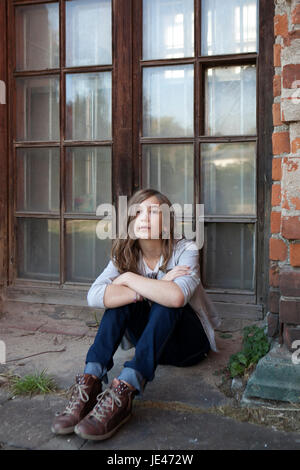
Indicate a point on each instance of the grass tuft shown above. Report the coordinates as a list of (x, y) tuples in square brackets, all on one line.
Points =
[(37, 383)]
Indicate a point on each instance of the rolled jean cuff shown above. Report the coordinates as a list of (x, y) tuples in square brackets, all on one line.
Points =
[(95, 368), (134, 378)]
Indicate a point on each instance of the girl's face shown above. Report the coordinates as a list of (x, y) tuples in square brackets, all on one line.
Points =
[(148, 221)]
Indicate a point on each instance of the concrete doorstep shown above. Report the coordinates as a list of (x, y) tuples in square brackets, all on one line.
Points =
[(182, 408)]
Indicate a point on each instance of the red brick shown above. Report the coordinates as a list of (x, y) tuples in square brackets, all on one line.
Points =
[(289, 283), (290, 74), (275, 222), (290, 335), (276, 85), (277, 55), (281, 25), (274, 275), (292, 35), (295, 254), (295, 145), (296, 203), (289, 311), (276, 108), (274, 297), (290, 227), (276, 195), (276, 169), (296, 15), (277, 249), (281, 142)]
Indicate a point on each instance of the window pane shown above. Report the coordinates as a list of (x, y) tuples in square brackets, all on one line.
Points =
[(170, 169), (38, 180), (88, 178), (87, 255), (168, 106), (88, 32), (228, 178), (229, 27), (230, 100), (38, 249), (37, 108), (229, 255), (168, 29), (37, 37), (88, 108)]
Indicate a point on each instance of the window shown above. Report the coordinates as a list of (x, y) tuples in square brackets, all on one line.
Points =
[(197, 65), (112, 96), (63, 137)]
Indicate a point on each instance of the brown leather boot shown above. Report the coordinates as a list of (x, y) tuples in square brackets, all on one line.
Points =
[(112, 410), (82, 401)]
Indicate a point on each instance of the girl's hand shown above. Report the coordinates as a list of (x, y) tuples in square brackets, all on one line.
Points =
[(176, 272), (119, 280)]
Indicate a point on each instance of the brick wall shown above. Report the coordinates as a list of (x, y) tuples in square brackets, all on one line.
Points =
[(284, 294)]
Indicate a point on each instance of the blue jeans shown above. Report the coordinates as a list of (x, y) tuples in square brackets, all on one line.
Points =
[(160, 334)]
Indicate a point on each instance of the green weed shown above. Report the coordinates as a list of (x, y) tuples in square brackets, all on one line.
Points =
[(37, 383), (255, 346)]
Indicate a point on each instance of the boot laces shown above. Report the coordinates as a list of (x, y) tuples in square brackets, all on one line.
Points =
[(78, 394), (105, 401)]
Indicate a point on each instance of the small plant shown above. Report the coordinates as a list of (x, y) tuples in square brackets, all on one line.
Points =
[(255, 346), (33, 383)]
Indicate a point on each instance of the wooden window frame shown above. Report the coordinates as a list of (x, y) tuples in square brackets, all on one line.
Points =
[(230, 301), (127, 142)]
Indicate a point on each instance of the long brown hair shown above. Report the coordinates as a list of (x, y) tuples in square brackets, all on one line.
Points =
[(125, 252)]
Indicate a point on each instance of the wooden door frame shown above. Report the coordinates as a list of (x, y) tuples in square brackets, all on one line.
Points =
[(126, 157)]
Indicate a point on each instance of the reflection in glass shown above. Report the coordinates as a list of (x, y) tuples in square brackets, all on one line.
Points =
[(37, 112), (37, 36), (88, 108), (229, 27), (38, 179), (230, 100), (169, 168), (229, 255), (228, 178), (88, 178), (168, 101), (87, 255), (88, 32), (168, 29), (38, 249)]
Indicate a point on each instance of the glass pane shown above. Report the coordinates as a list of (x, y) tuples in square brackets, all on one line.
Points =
[(88, 178), (229, 255), (38, 180), (37, 108), (230, 100), (168, 101), (228, 178), (229, 27), (88, 32), (38, 249), (170, 169), (37, 37), (88, 108), (87, 255), (168, 29)]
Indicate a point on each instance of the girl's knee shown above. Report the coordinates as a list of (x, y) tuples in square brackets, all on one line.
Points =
[(158, 309)]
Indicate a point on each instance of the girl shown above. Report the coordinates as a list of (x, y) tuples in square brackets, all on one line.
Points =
[(153, 299)]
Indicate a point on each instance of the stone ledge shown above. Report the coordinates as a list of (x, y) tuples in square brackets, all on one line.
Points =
[(275, 378)]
